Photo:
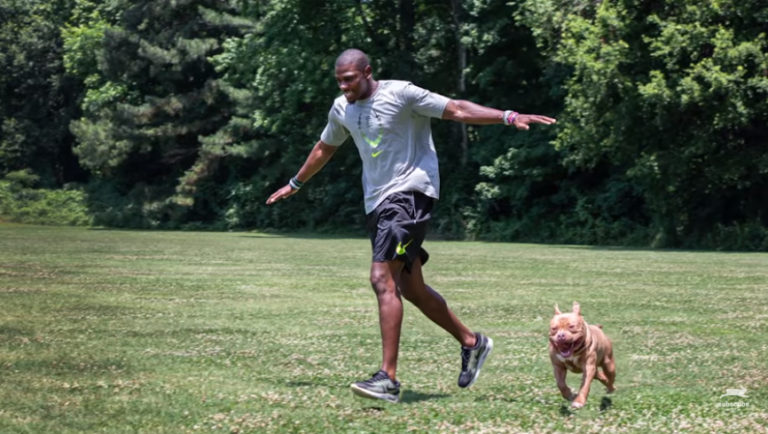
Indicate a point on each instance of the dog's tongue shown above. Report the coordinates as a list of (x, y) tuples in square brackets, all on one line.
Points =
[(567, 351)]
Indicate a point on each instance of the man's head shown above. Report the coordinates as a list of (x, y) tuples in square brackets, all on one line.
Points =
[(354, 75)]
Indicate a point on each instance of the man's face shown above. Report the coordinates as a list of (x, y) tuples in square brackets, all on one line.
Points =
[(354, 83)]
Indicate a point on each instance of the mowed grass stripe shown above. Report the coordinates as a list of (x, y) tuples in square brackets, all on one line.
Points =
[(149, 331)]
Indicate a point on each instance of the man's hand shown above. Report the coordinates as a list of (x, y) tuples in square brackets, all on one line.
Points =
[(320, 154), (522, 121), (280, 194)]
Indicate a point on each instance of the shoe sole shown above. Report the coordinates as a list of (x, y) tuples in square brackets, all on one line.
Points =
[(481, 360), (364, 393)]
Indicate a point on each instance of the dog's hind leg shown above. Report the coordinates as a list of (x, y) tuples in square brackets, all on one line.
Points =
[(600, 375), (609, 368)]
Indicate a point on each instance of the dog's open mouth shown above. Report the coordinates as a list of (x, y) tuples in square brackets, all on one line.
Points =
[(566, 349)]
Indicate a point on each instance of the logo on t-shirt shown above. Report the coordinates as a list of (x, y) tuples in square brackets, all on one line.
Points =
[(401, 248), (370, 125)]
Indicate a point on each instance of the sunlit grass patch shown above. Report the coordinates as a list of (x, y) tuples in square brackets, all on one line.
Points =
[(132, 331)]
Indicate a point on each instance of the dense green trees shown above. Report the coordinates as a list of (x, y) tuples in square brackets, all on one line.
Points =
[(671, 100), (37, 98), (152, 100), (662, 137), (189, 113)]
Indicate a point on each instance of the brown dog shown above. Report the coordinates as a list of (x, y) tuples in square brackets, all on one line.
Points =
[(581, 348)]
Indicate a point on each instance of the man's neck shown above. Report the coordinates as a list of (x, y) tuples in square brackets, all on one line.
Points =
[(373, 85)]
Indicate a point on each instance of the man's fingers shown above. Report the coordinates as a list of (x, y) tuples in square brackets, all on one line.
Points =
[(547, 120), (543, 119), (280, 194), (274, 198), (523, 121)]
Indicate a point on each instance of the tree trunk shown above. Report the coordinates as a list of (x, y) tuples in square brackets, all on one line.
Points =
[(461, 57)]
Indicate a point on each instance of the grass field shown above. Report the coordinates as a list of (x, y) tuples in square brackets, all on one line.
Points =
[(165, 332)]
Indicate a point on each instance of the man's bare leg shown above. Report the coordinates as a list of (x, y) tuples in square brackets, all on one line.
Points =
[(384, 276), (475, 347), (433, 305)]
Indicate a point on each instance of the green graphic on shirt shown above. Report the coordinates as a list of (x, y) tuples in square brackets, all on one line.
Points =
[(373, 143), (376, 154)]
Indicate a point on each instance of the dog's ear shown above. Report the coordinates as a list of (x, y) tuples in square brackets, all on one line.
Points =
[(576, 308), (557, 310)]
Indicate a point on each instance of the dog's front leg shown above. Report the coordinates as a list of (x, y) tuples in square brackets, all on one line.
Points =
[(586, 382), (560, 372)]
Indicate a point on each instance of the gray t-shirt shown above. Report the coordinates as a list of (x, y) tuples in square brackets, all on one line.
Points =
[(393, 136)]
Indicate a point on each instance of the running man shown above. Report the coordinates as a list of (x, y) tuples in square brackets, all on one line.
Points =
[(389, 121)]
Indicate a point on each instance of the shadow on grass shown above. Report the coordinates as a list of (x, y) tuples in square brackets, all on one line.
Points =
[(606, 403), (408, 397), (313, 383), (411, 396)]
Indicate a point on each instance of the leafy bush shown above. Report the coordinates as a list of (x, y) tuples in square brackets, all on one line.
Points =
[(42, 206)]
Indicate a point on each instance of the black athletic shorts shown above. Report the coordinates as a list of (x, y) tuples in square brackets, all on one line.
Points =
[(397, 227)]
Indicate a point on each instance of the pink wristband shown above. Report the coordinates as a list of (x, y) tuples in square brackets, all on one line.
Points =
[(510, 117)]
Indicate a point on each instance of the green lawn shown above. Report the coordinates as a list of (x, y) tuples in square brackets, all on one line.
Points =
[(135, 331)]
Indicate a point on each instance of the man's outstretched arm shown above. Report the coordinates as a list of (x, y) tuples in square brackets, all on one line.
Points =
[(470, 113), (318, 156)]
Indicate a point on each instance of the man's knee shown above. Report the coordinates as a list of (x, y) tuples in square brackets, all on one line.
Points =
[(382, 281)]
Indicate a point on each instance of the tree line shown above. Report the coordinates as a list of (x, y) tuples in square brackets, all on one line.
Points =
[(188, 113)]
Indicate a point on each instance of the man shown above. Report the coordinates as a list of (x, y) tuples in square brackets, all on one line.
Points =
[(389, 121)]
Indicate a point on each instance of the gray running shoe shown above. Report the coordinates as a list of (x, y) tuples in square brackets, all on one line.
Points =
[(472, 360), (380, 386)]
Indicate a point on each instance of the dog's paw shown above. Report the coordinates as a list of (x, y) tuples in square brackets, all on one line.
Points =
[(577, 405)]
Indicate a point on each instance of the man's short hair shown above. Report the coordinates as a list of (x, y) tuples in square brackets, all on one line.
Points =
[(353, 56)]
